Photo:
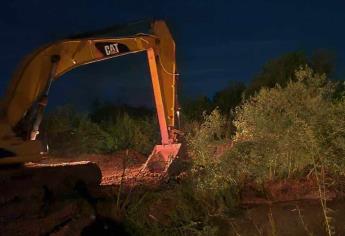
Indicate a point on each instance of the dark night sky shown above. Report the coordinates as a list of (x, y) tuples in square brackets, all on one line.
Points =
[(217, 41)]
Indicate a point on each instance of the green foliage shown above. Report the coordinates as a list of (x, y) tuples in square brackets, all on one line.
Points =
[(201, 139), (193, 206), (127, 132), (282, 132), (210, 182), (69, 132)]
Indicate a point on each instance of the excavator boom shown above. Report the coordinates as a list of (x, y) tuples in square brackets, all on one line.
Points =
[(29, 89)]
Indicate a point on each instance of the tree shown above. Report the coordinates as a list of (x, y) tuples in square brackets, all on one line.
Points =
[(288, 130), (277, 71), (193, 110), (322, 61), (282, 69), (229, 97)]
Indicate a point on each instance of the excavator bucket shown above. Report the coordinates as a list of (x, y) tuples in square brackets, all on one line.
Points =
[(161, 157)]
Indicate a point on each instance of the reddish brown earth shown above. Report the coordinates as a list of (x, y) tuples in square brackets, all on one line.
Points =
[(66, 195), (123, 167)]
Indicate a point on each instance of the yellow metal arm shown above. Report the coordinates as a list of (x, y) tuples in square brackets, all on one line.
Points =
[(31, 80)]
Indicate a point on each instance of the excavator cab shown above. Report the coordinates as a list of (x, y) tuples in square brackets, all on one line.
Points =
[(28, 92)]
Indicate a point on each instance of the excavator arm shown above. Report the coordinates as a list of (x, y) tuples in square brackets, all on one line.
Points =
[(32, 81)]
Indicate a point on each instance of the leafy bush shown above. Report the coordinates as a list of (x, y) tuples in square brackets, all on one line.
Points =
[(191, 207), (210, 183), (69, 132), (280, 132), (138, 134), (283, 132)]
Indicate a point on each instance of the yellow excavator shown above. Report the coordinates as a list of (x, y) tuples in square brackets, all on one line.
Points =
[(27, 95)]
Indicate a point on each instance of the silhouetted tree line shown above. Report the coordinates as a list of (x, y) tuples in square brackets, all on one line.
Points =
[(101, 111), (276, 71)]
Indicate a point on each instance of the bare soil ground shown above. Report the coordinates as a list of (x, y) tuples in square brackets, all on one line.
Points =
[(64, 195), (123, 166)]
